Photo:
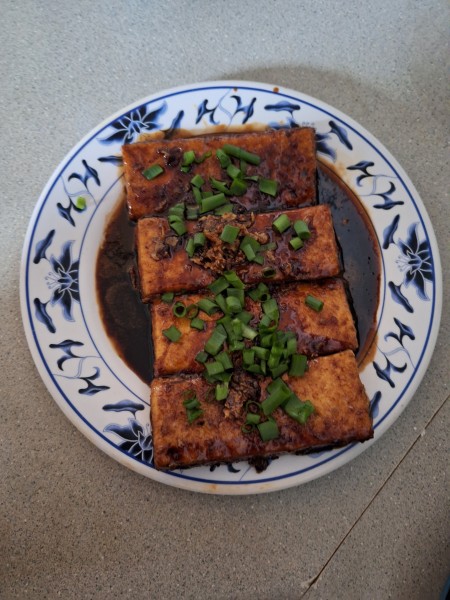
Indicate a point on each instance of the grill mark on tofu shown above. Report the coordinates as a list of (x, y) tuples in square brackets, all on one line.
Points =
[(325, 332), (171, 270), (278, 151), (332, 384)]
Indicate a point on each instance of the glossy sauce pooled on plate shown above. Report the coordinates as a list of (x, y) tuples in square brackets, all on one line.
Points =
[(126, 319)]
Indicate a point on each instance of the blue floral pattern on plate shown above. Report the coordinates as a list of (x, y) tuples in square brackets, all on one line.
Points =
[(72, 352)]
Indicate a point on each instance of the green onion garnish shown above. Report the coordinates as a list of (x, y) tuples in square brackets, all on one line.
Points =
[(248, 357), (238, 187), (299, 362), (270, 308), (221, 303), (202, 357), (296, 243), (219, 186), (226, 208), (219, 285), (207, 306), (302, 230), (197, 323), (199, 240), (197, 181), (233, 279), (191, 311), (212, 202), (298, 410), (188, 158), (172, 334), (152, 172), (280, 370), (268, 430), (241, 154), (233, 304), (234, 172), (190, 248), (229, 234), (214, 368), (193, 415), (221, 391), (252, 419), (281, 223), (223, 158), (192, 212), (167, 297), (179, 228), (197, 195), (268, 186), (224, 358), (215, 342), (314, 303), (179, 309)]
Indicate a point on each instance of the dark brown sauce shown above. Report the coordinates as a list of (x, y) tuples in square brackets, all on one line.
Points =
[(126, 319), (359, 251)]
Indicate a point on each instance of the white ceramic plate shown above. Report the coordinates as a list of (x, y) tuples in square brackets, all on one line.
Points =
[(74, 356)]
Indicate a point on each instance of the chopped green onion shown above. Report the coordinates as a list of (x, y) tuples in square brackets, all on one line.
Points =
[(197, 181), (281, 223), (237, 293), (314, 303), (299, 362), (197, 195), (224, 358), (298, 410), (241, 154), (167, 297), (192, 311), (245, 317), (197, 323), (229, 234), (190, 248), (255, 369), (291, 347), (236, 346), (179, 228), (223, 158), (261, 353), (260, 293), (219, 186), (268, 186), (238, 187), (243, 166), (259, 259), (233, 172), (192, 212), (207, 194), (269, 246), (278, 371), (212, 202), (215, 342), (233, 304), (268, 430), (80, 203), (214, 368), (248, 357), (185, 169), (179, 309), (193, 415), (249, 252), (221, 391), (302, 230), (188, 158), (202, 356), (248, 332), (233, 279), (252, 419), (199, 240), (190, 402), (296, 243), (207, 306), (220, 301), (226, 208), (172, 334), (270, 308), (218, 285), (152, 172)]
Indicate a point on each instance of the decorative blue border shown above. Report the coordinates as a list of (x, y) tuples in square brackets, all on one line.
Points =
[(160, 98)]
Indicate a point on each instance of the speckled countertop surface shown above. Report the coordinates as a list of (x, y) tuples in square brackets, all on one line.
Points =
[(76, 524)]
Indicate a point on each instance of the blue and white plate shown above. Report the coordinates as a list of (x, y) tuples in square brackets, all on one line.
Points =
[(72, 352)]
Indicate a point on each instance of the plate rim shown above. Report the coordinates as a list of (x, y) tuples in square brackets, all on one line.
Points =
[(230, 487)]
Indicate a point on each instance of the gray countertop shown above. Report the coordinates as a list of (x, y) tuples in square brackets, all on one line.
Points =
[(76, 524)]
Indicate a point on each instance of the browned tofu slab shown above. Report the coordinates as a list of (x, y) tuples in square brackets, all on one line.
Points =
[(332, 384), (288, 156), (331, 330), (164, 265)]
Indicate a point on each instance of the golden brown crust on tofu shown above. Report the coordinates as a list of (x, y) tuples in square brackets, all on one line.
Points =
[(279, 151), (332, 384), (331, 330), (164, 265)]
